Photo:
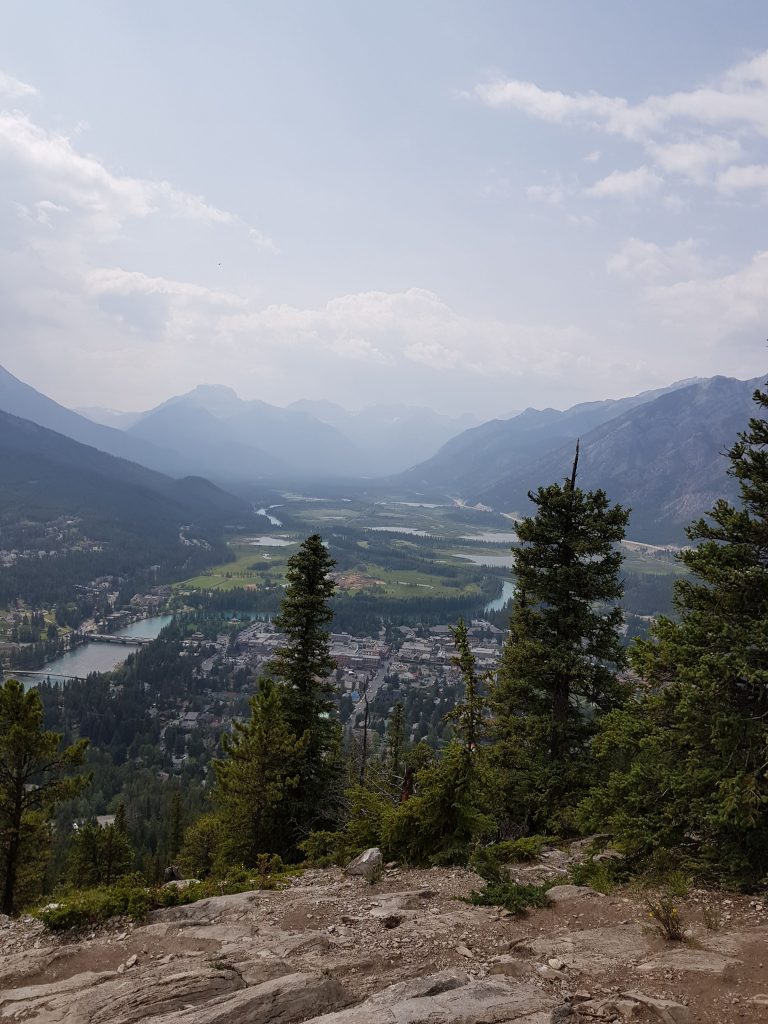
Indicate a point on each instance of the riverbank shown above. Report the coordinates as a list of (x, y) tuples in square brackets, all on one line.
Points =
[(88, 657)]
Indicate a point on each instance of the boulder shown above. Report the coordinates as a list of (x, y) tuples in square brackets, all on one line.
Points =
[(563, 893), (285, 1000), (509, 966), (369, 864), (666, 1009), (486, 1001)]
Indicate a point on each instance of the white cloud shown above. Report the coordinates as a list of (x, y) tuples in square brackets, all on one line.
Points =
[(714, 309), (674, 130), (551, 194), (13, 89), (745, 176), (695, 157), (628, 184), (737, 97), (45, 167), (647, 261)]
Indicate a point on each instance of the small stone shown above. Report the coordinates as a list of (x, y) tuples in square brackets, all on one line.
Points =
[(463, 951), (556, 964), (131, 961)]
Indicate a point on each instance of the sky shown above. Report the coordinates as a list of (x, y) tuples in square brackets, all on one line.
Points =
[(474, 206)]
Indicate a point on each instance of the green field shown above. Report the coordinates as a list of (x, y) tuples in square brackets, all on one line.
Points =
[(392, 549), (253, 566)]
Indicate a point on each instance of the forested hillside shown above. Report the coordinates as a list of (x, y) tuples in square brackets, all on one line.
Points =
[(69, 513)]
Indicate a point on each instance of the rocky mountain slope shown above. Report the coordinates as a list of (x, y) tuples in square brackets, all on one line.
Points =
[(332, 949), (663, 459), (479, 458), (661, 454), (19, 399)]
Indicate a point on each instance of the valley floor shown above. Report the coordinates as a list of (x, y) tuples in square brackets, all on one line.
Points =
[(405, 950)]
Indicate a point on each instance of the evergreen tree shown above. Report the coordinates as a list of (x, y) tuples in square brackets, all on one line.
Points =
[(99, 856), (33, 780), (176, 824), (558, 672), (304, 667), (451, 809), (395, 742), (256, 779), (687, 761), (467, 716)]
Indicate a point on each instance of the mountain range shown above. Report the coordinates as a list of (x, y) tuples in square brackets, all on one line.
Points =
[(660, 453), (237, 440)]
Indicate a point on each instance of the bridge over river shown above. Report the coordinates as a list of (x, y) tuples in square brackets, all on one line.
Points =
[(115, 638)]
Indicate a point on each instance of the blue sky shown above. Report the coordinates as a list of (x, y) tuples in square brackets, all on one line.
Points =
[(473, 206)]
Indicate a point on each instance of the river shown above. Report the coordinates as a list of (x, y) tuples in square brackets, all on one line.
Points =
[(507, 593), (96, 657)]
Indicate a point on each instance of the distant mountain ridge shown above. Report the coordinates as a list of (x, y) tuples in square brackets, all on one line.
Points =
[(476, 459), (234, 439), (659, 453), (664, 459)]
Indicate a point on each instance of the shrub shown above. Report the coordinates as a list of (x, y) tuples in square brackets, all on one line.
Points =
[(130, 896), (527, 848), (517, 899), (669, 923), (602, 876), (712, 917)]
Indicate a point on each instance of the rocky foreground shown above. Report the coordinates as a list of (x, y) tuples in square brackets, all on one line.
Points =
[(333, 949)]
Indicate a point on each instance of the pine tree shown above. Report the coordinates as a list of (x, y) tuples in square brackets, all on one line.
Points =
[(558, 672), (687, 762), (99, 856), (33, 780), (304, 667), (175, 824), (451, 809), (467, 716), (256, 780), (395, 742)]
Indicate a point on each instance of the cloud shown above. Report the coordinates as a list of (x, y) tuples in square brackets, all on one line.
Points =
[(749, 176), (675, 130), (737, 97), (715, 308), (551, 194), (647, 261), (13, 89), (695, 157), (639, 182), (42, 166)]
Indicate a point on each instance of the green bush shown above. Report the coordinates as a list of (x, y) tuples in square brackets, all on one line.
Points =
[(130, 897), (527, 848), (602, 876), (517, 899)]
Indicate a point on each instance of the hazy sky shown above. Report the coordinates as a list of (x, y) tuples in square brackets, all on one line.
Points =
[(470, 205)]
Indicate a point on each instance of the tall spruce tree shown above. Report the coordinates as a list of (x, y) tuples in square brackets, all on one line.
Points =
[(304, 667), (558, 672), (686, 763), (255, 781), (34, 778)]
